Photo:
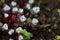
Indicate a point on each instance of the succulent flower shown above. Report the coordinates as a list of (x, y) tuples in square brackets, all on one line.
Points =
[(31, 1), (20, 37), (34, 21), (13, 3), (15, 9), (22, 18), (36, 9), (28, 6), (6, 8), (10, 39), (6, 15), (18, 29), (5, 26), (21, 10), (11, 31)]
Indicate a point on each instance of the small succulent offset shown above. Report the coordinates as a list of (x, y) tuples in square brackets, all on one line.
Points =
[(6, 15), (20, 37), (11, 31), (35, 21), (22, 18), (28, 6), (6, 8), (13, 3), (31, 1), (26, 34), (15, 9), (5, 26)]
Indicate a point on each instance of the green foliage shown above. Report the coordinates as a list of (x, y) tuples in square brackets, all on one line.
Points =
[(29, 20), (26, 34)]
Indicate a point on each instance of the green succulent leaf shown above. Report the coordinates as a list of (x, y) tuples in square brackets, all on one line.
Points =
[(23, 31), (26, 34), (29, 20)]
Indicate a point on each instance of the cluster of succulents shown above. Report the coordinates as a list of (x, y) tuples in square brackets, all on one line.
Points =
[(29, 20)]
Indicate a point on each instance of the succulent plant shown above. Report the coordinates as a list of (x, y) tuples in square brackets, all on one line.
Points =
[(23, 17)]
